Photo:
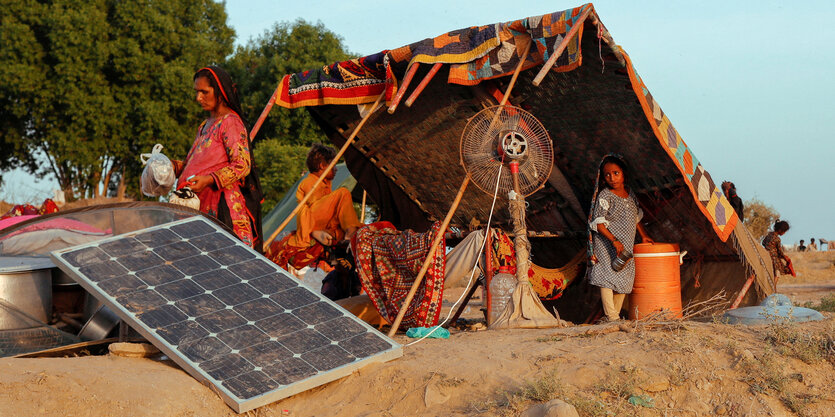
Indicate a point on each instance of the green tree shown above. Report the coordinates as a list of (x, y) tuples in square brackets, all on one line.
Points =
[(759, 217), (281, 166), (89, 85), (281, 144)]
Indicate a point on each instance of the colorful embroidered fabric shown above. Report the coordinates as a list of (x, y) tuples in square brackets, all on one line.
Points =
[(283, 253), (708, 196), (548, 283), (222, 151), (48, 206), (388, 262), (475, 54), (355, 81)]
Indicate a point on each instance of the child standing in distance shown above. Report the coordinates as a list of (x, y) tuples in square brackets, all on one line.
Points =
[(779, 260), (613, 221), (328, 216)]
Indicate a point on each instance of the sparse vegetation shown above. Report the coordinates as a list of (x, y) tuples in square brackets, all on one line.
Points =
[(826, 303)]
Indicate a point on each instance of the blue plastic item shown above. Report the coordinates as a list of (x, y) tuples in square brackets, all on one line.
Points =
[(437, 332), (775, 308)]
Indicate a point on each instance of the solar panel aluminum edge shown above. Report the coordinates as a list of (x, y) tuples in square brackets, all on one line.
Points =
[(134, 254)]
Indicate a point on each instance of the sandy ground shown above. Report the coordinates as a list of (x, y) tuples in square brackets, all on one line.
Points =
[(695, 368)]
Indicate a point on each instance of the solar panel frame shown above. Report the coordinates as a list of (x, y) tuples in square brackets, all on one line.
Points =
[(134, 297)]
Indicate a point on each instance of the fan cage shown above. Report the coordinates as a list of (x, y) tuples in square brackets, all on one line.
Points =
[(482, 155)]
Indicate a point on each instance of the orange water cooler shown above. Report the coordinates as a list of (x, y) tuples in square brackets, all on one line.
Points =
[(657, 280)]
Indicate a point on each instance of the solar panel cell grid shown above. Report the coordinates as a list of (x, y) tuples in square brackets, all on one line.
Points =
[(224, 313)]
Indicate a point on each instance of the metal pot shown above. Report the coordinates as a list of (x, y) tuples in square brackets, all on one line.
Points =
[(25, 292), (101, 324)]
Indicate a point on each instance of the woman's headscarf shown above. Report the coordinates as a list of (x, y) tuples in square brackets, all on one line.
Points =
[(225, 89)]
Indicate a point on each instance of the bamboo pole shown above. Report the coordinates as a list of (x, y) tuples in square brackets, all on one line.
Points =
[(423, 83), (325, 172), (438, 238), (742, 292), (264, 113), (440, 235), (564, 44), (404, 85), (362, 214)]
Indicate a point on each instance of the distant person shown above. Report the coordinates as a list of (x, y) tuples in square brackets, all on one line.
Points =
[(780, 262), (729, 189), (813, 247), (801, 247)]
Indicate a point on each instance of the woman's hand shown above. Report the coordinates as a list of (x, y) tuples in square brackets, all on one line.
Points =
[(199, 182), (647, 239), (618, 246)]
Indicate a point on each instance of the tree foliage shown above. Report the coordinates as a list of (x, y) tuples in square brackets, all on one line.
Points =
[(281, 166), (89, 85), (759, 217)]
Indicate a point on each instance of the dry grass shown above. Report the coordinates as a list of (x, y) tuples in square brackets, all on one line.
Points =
[(812, 268)]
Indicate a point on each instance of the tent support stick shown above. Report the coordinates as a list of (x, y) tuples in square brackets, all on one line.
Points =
[(263, 116), (400, 92), (437, 241), (742, 292), (325, 172), (362, 214), (423, 83), (564, 44)]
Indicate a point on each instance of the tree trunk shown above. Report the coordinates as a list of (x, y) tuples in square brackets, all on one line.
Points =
[(123, 186)]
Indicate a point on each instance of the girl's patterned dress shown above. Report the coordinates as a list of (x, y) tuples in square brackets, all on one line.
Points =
[(774, 245), (621, 216)]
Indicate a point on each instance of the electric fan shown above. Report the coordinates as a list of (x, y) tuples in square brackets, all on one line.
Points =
[(509, 143), (506, 135)]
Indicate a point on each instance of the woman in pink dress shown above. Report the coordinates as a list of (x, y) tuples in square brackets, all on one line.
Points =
[(219, 167)]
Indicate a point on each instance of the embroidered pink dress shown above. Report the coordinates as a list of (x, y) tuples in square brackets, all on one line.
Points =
[(221, 150)]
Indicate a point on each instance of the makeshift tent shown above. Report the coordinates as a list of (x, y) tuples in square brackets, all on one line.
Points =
[(592, 102), (284, 207)]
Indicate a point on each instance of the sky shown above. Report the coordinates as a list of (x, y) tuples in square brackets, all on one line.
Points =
[(748, 84)]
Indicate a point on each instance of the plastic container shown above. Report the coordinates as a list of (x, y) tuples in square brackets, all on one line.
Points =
[(657, 280), (501, 288)]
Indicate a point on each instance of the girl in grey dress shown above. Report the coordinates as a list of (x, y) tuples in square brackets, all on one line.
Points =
[(614, 219)]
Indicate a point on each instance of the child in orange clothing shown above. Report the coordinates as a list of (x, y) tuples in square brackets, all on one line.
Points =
[(328, 216)]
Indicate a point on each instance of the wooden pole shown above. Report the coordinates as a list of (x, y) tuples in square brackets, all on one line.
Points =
[(742, 292), (264, 113), (452, 209), (423, 84), (438, 238), (325, 172), (404, 85), (564, 44), (362, 214)]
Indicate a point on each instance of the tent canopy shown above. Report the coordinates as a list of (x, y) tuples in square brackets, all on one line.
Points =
[(592, 102)]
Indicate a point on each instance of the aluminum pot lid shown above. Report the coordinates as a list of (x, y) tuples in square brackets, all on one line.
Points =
[(11, 264)]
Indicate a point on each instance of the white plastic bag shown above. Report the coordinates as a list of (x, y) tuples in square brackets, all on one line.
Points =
[(158, 176)]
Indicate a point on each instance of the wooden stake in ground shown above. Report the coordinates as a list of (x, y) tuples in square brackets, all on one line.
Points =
[(328, 169)]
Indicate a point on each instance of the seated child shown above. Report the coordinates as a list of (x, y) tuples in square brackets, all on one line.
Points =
[(327, 216)]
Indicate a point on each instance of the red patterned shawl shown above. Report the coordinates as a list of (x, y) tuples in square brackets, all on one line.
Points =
[(389, 260)]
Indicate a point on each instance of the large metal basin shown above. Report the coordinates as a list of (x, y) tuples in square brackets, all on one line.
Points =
[(25, 292)]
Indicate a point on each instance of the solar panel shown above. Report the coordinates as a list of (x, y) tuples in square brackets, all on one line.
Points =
[(227, 315)]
